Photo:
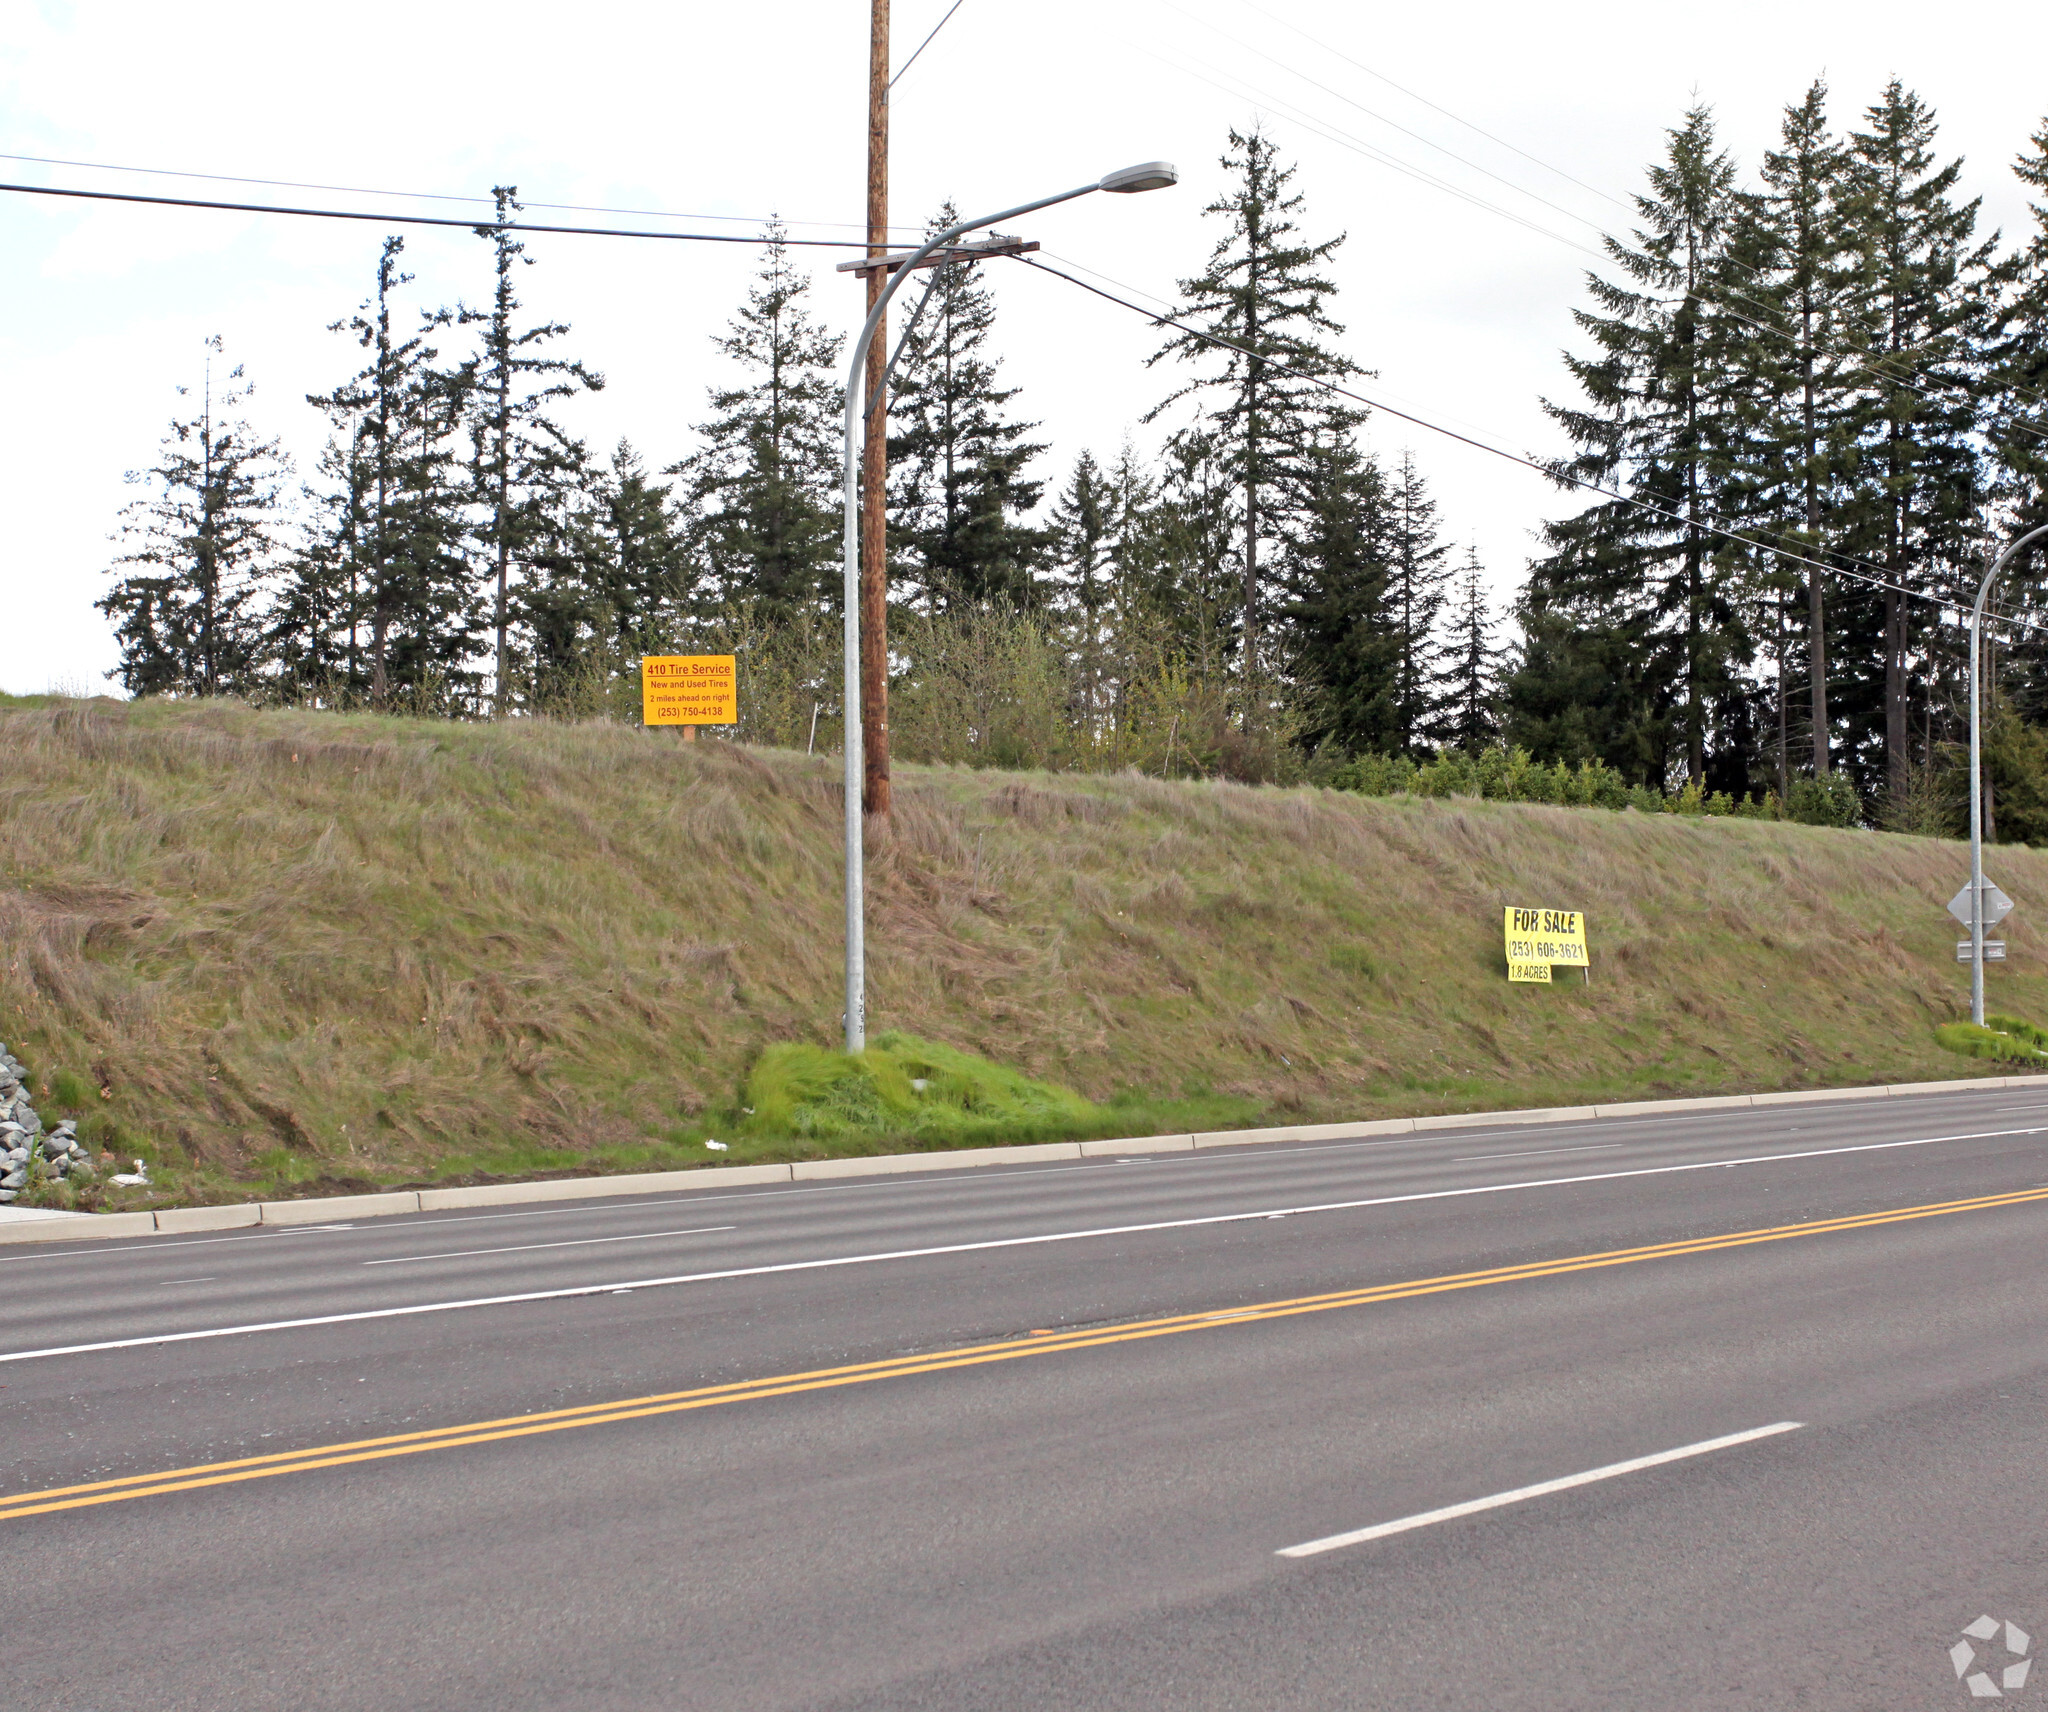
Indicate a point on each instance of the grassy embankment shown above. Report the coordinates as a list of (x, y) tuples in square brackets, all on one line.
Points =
[(294, 952)]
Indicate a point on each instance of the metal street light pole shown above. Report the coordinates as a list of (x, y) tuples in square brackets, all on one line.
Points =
[(1977, 780), (1151, 175)]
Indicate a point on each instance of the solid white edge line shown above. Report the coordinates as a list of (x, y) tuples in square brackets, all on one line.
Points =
[(529, 1247), (1521, 1494), (569, 1292), (964, 1177)]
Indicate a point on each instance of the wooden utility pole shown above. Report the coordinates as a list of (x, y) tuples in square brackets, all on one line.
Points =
[(874, 516)]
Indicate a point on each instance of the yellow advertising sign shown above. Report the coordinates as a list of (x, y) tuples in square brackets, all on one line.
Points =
[(1537, 938), (689, 689)]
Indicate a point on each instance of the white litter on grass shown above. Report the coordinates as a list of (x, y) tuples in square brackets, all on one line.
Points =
[(718, 1147), (136, 1179), (920, 1083)]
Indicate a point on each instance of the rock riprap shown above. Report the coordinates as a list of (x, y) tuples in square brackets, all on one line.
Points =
[(28, 1151)]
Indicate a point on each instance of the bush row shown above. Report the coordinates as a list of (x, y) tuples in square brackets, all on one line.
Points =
[(1513, 775)]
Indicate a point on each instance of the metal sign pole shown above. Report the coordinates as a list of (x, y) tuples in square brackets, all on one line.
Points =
[(1151, 176), (1976, 832), (1977, 780)]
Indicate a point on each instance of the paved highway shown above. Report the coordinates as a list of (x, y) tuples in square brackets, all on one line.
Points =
[(1171, 1432)]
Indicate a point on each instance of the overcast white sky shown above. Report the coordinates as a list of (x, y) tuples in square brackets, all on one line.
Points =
[(745, 110)]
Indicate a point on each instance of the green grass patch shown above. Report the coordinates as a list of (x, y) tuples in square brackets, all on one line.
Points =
[(906, 1089), (2000, 1037)]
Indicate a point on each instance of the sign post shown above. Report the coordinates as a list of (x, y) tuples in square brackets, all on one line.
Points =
[(1537, 938), (1992, 906), (689, 690)]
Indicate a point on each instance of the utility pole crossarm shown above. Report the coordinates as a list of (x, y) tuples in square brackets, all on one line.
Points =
[(997, 245)]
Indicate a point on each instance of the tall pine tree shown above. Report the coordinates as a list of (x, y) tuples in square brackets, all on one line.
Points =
[(200, 543), (1418, 576), (314, 629), (1916, 487), (960, 496), (763, 488), (1263, 292), (1632, 588), (2017, 422), (1347, 651), (1801, 296), (419, 588), (520, 458), (1470, 682), (1084, 576)]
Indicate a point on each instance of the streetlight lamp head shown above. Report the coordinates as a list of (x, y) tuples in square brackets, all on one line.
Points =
[(1146, 175)]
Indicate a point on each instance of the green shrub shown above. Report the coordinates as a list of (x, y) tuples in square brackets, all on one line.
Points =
[(2002, 1037), (1830, 800), (2022, 1031)]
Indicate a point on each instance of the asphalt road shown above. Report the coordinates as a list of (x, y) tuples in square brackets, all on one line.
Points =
[(1042, 1436)]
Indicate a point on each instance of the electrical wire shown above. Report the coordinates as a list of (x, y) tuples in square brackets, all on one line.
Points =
[(927, 42), (433, 196), (1316, 83), (1876, 362), (1344, 139), (1169, 306), (1552, 472), (1412, 95), (427, 219)]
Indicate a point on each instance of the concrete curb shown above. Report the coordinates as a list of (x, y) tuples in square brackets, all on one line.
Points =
[(340, 1209)]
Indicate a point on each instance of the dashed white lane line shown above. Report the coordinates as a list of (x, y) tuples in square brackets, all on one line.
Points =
[(1542, 1489), (828, 1262), (529, 1247), (1542, 1152)]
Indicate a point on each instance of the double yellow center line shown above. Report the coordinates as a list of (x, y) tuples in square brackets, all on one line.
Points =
[(943, 1361)]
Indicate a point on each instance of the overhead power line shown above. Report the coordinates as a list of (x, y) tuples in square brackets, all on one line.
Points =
[(426, 195), (425, 219), (927, 42), (1881, 364), (1549, 471), (1402, 88)]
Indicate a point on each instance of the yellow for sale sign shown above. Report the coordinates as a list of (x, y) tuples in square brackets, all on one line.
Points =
[(1537, 938), (689, 689)]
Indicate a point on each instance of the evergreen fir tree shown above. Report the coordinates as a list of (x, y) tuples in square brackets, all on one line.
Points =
[(764, 488), (520, 456), (1417, 582), (419, 593), (641, 575), (199, 546), (1594, 679), (1916, 488), (1177, 562), (1347, 649), (1082, 526), (2016, 429), (1801, 295), (1469, 717), (1263, 292), (960, 495), (1633, 588), (2017, 420), (314, 627)]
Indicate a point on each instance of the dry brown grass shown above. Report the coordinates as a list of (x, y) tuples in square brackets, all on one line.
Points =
[(327, 950)]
